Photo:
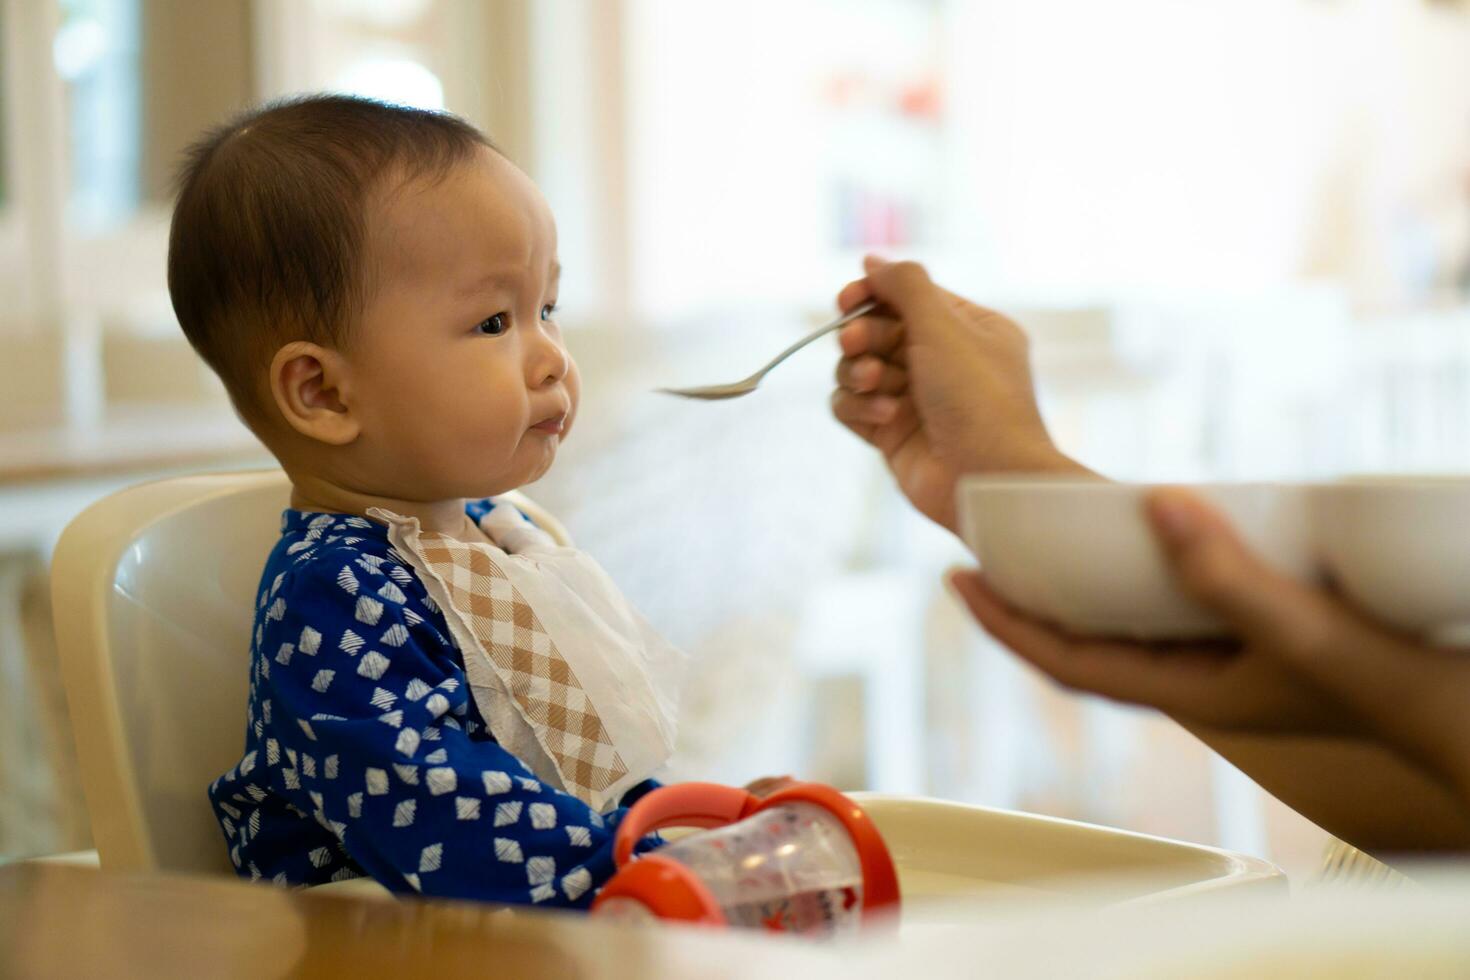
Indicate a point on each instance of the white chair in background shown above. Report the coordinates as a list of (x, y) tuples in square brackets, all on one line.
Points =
[(868, 627)]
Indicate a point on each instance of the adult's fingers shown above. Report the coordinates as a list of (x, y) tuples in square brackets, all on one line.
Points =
[(864, 410), (886, 422), (905, 288), (893, 435), (854, 293), (871, 375), (1215, 567), (862, 430), (860, 291), (767, 785), (1175, 680), (894, 275), (1365, 666), (871, 334)]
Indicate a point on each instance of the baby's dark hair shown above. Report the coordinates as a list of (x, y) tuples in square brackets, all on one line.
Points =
[(268, 242)]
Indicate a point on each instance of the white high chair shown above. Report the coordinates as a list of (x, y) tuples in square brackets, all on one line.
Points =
[(153, 592)]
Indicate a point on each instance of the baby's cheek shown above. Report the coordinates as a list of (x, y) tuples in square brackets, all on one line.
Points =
[(500, 440), (508, 446), (574, 393)]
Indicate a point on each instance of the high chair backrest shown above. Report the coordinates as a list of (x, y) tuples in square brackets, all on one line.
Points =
[(152, 589)]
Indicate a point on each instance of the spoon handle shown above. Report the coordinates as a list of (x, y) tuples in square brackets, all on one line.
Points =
[(837, 324)]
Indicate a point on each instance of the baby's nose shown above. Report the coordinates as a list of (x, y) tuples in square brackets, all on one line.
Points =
[(552, 365)]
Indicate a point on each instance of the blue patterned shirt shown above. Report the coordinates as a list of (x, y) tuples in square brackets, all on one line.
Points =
[(365, 753)]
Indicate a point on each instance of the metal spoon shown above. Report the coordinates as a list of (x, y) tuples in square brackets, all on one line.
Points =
[(739, 388)]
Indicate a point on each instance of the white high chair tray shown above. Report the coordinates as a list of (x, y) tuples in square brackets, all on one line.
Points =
[(951, 856)]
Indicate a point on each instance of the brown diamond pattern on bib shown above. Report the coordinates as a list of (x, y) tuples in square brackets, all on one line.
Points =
[(541, 681)]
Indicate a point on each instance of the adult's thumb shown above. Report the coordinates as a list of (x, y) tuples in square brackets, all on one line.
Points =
[(905, 288), (1216, 568)]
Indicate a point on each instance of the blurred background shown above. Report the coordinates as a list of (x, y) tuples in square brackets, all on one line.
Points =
[(1238, 231)]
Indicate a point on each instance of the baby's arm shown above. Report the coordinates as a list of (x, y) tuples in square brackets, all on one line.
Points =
[(375, 738)]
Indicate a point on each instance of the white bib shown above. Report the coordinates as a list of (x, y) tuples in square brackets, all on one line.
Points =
[(566, 673)]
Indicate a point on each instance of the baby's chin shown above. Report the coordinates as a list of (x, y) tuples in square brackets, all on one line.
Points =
[(540, 471), (516, 477)]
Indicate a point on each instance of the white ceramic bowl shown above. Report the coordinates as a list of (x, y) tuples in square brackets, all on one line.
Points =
[(1080, 553), (1399, 547)]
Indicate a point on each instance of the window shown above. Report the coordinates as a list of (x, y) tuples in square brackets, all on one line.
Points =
[(4, 125), (96, 54)]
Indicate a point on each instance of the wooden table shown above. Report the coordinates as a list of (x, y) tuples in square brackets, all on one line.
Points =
[(66, 921), (127, 441)]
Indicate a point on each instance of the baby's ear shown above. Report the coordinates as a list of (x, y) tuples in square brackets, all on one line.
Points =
[(309, 386)]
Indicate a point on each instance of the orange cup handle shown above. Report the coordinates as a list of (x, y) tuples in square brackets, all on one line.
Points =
[(702, 805)]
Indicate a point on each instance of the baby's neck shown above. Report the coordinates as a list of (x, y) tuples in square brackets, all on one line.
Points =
[(434, 516)]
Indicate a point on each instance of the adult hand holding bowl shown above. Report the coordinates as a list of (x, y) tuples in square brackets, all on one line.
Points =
[(1156, 597), (1079, 553), (943, 388)]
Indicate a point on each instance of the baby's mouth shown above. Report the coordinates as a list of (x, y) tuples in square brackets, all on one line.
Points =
[(554, 425)]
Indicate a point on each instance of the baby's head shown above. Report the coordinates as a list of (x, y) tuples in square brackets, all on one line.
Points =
[(376, 286)]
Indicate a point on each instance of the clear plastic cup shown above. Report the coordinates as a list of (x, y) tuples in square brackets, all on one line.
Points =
[(805, 860), (791, 868)]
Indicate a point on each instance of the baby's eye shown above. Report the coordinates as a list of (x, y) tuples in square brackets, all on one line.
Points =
[(548, 311), (493, 326)]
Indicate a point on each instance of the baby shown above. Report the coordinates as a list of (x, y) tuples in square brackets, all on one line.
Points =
[(440, 697)]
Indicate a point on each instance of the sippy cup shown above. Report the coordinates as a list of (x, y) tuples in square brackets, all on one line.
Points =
[(805, 859)]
